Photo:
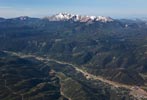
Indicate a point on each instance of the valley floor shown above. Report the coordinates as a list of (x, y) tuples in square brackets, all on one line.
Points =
[(135, 91)]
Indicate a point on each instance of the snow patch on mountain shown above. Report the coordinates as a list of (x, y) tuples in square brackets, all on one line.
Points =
[(72, 17)]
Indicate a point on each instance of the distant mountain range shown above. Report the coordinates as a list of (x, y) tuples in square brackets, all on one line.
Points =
[(75, 18)]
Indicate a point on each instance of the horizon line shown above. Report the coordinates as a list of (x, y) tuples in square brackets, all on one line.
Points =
[(51, 14)]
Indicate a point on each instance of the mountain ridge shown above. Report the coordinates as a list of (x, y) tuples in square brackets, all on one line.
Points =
[(80, 18), (76, 18)]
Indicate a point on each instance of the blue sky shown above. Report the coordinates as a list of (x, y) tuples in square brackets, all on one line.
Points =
[(40, 8)]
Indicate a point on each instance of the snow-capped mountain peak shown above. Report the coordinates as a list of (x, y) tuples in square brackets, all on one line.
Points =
[(104, 19), (93, 17), (60, 17), (71, 17), (63, 16)]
